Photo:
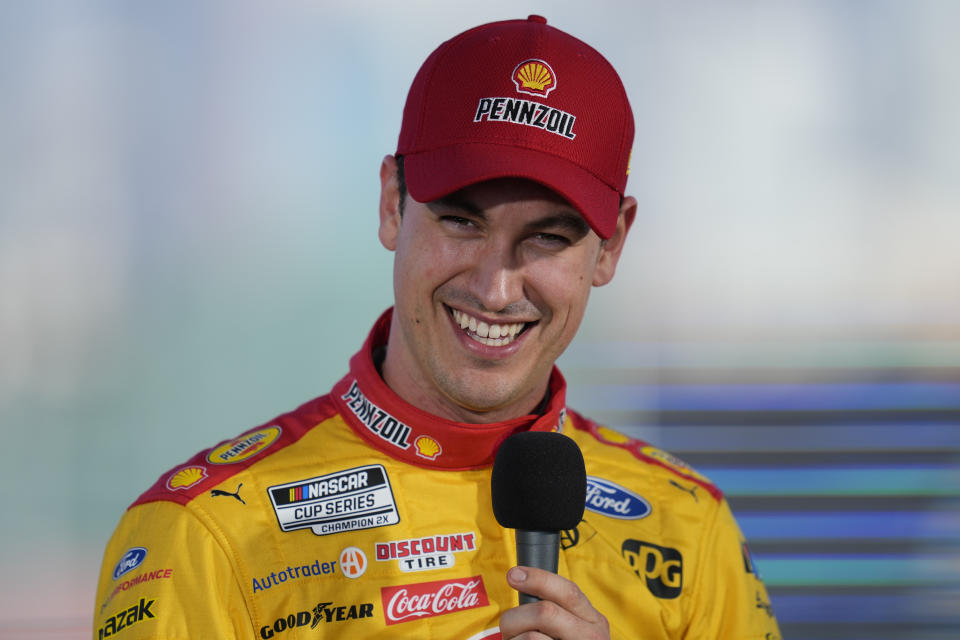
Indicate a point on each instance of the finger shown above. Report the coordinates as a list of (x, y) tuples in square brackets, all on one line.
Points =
[(550, 586), (545, 620)]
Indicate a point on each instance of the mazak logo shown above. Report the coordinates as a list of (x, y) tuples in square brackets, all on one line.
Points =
[(358, 498), (428, 599), (661, 567), (246, 446), (375, 419), (132, 559), (422, 554), (534, 77), (126, 618), (612, 500), (325, 612)]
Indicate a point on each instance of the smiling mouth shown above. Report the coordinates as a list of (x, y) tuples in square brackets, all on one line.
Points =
[(491, 335)]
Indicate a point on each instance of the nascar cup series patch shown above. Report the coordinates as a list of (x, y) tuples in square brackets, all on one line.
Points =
[(349, 500)]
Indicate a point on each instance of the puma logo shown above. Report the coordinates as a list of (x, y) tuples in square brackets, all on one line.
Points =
[(217, 492), (692, 491)]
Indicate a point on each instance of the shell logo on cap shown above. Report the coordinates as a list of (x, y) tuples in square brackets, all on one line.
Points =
[(186, 478), (534, 77), (427, 447)]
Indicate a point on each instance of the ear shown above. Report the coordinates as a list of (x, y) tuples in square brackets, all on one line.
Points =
[(612, 247), (389, 203)]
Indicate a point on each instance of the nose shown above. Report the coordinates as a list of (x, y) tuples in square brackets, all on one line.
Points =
[(496, 277)]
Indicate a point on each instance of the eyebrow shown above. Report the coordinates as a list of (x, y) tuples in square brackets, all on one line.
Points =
[(568, 221), (455, 201)]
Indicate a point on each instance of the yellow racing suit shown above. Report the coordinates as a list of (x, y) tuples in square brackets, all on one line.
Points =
[(358, 515)]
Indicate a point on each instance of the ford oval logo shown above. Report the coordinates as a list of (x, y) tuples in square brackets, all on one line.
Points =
[(132, 559), (613, 500)]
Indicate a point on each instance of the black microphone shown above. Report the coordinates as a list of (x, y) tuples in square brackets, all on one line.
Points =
[(539, 488)]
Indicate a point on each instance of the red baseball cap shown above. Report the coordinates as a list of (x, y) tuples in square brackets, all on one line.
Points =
[(522, 99)]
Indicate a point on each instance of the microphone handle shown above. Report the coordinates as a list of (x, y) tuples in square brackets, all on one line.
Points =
[(540, 549)]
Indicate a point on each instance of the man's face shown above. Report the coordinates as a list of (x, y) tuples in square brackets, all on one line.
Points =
[(491, 284)]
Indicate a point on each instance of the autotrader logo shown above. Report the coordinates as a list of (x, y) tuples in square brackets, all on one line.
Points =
[(661, 567)]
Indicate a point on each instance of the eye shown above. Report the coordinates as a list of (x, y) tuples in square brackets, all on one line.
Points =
[(458, 223), (552, 240), (458, 220)]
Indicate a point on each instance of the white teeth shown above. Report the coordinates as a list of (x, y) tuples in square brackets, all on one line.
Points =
[(494, 335)]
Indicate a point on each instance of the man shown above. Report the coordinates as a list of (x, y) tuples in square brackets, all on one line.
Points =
[(366, 512)]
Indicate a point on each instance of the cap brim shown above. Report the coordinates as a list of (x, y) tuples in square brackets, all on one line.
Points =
[(436, 173)]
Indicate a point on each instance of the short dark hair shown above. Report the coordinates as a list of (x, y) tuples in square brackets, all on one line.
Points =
[(401, 184)]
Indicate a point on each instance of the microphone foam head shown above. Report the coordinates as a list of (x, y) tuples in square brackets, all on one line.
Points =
[(539, 482)]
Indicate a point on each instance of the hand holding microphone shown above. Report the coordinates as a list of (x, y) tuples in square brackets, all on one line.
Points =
[(539, 488)]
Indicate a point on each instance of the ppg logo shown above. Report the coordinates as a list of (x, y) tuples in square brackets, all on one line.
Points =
[(661, 567)]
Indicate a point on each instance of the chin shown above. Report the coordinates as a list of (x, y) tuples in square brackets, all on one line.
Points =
[(492, 397)]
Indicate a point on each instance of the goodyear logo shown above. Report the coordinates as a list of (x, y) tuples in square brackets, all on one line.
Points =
[(325, 612), (246, 446), (358, 498), (661, 567), (126, 618), (534, 77)]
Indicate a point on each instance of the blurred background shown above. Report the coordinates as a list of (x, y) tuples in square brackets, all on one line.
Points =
[(188, 196)]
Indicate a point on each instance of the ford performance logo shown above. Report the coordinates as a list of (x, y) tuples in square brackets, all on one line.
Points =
[(613, 500), (132, 559)]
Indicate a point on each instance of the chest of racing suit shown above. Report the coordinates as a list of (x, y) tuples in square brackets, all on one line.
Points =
[(360, 516)]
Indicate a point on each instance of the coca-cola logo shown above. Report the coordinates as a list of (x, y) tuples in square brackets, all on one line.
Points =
[(427, 599), (613, 500)]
